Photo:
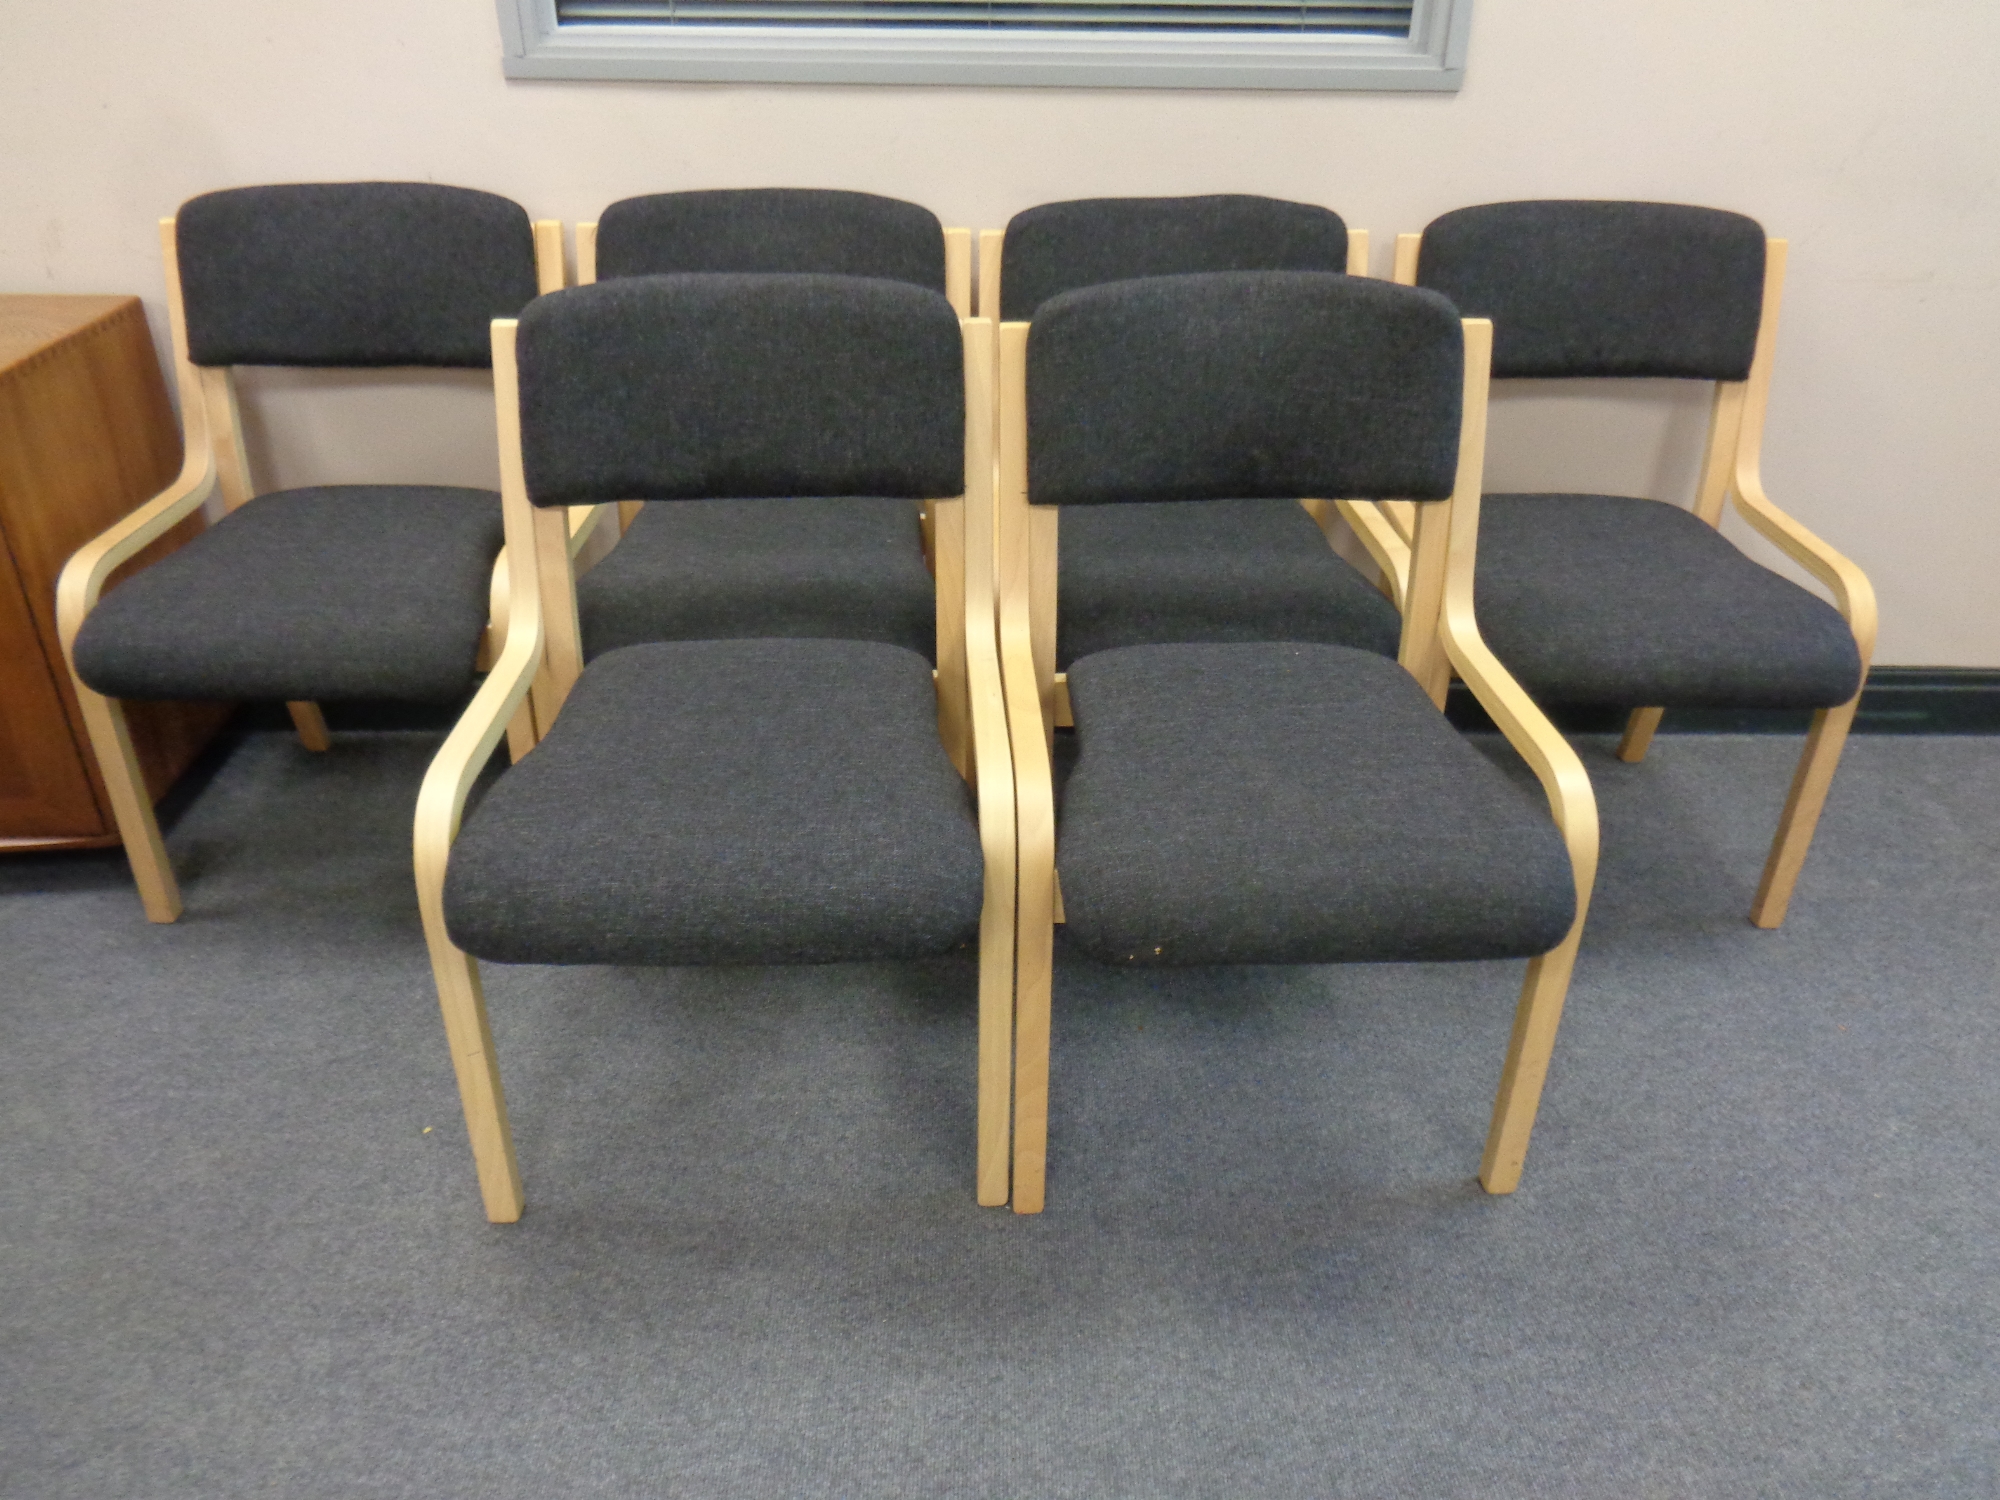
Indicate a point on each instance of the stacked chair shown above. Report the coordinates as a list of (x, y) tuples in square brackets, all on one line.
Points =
[(1607, 599), (826, 823), (874, 552), (1273, 801), (850, 567), (309, 595), (1222, 569)]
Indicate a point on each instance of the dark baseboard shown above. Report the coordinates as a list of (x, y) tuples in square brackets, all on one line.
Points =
[(1897, 700)]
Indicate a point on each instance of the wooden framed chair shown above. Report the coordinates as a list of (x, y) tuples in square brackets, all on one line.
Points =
[(1273, 802), (307, 595), (1208, 570), (828, 824), (842, 567), (1609, 599)]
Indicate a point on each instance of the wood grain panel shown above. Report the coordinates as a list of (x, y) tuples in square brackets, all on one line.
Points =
[(86, 435)]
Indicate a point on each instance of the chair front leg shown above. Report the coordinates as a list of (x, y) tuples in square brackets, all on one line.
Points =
[(470, 1036), (1536, 1018), (1810, 783), (1034, 976), (131, 807)]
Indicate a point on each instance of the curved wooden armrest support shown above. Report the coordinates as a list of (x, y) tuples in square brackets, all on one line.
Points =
[(1556, 765), (84, 575), (1853, 594), (441, 801), (1388, 546)]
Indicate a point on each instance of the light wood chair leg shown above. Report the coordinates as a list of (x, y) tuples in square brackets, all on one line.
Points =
[(1033, 983), (131, 808), (628, 512), (996, 1043), (1639, 734), (472, 1057), (311, 725), (1527, 1067), (1824, 742)]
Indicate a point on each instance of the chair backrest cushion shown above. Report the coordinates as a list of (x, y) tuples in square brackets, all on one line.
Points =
[(698, 387), (772, 229), (1061, 246), (351, 273), (1584, 288), (1244, 385)]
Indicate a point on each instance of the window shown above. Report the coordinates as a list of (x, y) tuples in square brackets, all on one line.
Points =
[(1266, 44)]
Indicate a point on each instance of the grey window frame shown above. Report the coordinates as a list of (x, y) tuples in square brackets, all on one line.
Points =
[(1431, 59)]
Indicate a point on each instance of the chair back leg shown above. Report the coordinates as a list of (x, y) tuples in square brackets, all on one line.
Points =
[(1638, 736), (311, 725)]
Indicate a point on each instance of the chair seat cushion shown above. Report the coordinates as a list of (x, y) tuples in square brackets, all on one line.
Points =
[(1293, 803), (347, 591), (840, 569), (1209, 570), (1608, 599), (715, 802)]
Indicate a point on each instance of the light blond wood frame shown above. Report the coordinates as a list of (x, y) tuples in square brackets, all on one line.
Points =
[(214, 460), (1730, 467), (540, 574), (1436, 639)]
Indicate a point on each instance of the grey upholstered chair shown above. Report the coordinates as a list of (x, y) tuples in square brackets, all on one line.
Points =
[(1273, 802), (846, 567), (1211, 570), (1608, 599), (309, 595), (826, 823)]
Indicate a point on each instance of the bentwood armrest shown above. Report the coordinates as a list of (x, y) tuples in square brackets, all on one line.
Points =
[(1571, 800), (441, 801), (84, 575), (1527, 728), (1853, 594)]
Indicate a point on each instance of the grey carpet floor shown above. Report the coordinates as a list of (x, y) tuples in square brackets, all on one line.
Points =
[(1756, 1251)]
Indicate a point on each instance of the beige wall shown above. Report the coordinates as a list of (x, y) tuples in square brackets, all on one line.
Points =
[(1865, 134)]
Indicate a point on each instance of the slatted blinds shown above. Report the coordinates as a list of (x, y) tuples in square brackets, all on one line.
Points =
[(1384, 18)]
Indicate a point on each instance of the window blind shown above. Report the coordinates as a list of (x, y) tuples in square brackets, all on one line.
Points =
[(1359, 18)]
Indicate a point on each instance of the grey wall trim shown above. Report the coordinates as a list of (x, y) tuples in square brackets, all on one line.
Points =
[(1433, 58), (1897, 700)]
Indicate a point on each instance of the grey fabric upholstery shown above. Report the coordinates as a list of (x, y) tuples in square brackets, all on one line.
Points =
[(351, 273), (1607, 599), (1209, 570), (726, 802), (772, 229), (347, 591), (1243, 385), (1293, 803), (1580, 288), (741, 386), (1061, 246), (847, 568)]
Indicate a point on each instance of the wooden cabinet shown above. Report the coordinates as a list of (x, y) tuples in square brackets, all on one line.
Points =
[(86, 436)]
